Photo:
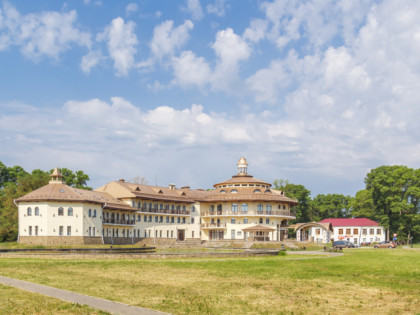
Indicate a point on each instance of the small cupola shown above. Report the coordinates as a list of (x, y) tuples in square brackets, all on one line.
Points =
[(56, 177), (242, 166)]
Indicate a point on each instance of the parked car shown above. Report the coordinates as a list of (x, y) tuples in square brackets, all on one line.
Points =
[(366, 244), (385, 244), (342, 244)]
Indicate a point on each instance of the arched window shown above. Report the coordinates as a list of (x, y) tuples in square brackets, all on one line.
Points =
[(178, 207), (29, 211), (139, 205), (94, 213), (183, 208), (223, 191), (90, 213), (261, 221), (60, 211), (70, 211), (267, 191), (192, 208), (233, 221), (233, 191), (257, 191), (36, 211)]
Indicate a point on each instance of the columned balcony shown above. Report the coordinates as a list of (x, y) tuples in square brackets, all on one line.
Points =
[(165, 211), (213, 225), (110, 221), (228, 213)]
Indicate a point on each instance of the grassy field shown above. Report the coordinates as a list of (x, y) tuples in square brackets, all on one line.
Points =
[(365, 281), (15, 301)]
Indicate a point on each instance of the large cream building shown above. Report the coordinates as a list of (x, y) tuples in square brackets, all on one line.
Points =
[(240, 208)]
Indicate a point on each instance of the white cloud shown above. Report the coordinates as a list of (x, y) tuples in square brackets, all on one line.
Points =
[(230, 50), (91, 60), (42, 34), (256, 31), (218, 8), (130, 8), (122, 42), (194, 7), (191, 70), (167, 38)]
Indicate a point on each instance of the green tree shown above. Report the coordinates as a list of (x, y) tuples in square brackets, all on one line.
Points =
[(396, 193), (362, 205), (298, 192), (76, 179), (330, 206)]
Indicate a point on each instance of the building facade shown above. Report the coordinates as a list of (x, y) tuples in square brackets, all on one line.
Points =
[(241, 208), (355, 230)]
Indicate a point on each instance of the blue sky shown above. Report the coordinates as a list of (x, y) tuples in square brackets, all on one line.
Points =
[(316, 92)]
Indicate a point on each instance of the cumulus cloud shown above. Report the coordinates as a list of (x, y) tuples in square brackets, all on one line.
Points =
[(167, 38), (121, 41), (194, 7), (90, 60), (42, 34), (191, 70)]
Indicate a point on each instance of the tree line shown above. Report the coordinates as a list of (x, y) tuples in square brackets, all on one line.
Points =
[(391, 197), (15, 182)]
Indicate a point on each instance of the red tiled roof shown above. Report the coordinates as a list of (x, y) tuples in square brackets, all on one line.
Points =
[(350, 222)]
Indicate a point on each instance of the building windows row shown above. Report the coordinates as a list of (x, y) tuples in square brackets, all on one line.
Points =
[(29, 211), (356, 231), (69, 211), (61, 230), (156, 206)]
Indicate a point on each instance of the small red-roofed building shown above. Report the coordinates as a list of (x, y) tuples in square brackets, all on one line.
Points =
[(355, 230)]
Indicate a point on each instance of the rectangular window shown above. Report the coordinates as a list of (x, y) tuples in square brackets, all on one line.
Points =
[(192, 208), (192, 220), (156, 219), (179, 220), (70, 212), (340, 231), (183, 219), (150, 218), (161, 219), (378, 231), (356, 231), (192, 234), (61, 230), (145, 233), (167, 234), (371, 231), (145, 218), (30, 230), (160, 233), (172, 220), (172, 234), (36, 211), (36, 230), (244, 208), (138, 218), (318, 231), (246, 221), (348, 231), (60, 211), (69, 231), (167, 219), (234, 208), (268, 208), (364, 232), (260, 208)]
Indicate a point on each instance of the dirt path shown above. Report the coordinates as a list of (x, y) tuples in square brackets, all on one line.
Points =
[(98, 303)]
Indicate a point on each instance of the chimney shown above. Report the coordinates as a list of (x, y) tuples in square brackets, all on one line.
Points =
[(172, 186), (186, 187), (122, 180)]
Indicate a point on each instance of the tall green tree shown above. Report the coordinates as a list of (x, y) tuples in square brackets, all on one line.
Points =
[(330, 206), (396, 193), (76, 179), (298, 192)]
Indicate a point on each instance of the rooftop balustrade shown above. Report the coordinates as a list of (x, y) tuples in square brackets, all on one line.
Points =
[(286, 213)]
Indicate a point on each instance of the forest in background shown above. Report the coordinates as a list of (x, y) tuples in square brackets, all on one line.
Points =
[(391, 197)]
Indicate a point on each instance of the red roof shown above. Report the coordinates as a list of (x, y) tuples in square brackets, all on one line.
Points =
[(350, 222)]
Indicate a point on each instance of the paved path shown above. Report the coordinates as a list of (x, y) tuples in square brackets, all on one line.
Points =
[(98, 303)]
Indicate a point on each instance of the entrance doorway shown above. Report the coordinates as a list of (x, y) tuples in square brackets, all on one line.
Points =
[(181, 235)]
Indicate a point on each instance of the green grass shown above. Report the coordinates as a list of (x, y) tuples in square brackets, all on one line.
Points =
[(362, 281), (15, 301)]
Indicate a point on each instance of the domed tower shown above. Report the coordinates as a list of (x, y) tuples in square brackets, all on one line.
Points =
[(242, 166)]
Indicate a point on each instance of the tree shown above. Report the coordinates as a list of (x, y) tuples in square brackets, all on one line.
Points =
[(298, 192), (396, 193), (330, 206), (362, 205), (139, 180)]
